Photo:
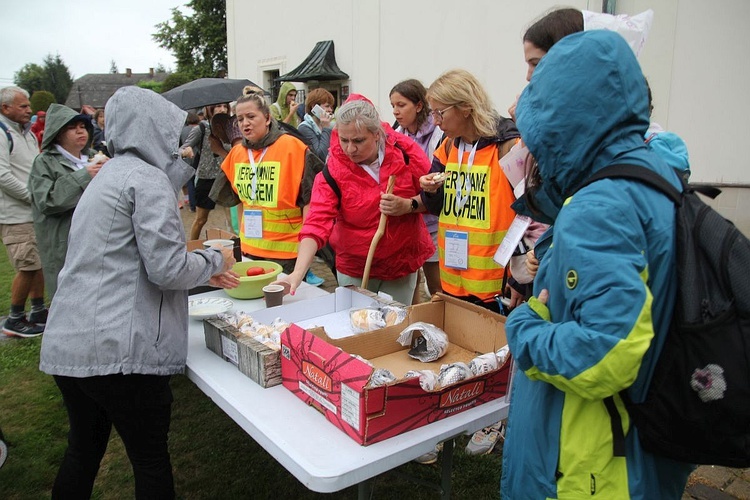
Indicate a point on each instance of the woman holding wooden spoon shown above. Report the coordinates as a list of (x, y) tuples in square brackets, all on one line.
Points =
[(349, 197)]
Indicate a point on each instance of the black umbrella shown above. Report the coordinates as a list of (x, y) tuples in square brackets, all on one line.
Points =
[(206, 91)]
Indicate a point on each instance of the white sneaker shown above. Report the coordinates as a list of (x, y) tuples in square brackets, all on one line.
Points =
[(431, 456), (483, 441)]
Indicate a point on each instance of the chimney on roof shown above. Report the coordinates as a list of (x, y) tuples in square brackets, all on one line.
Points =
[(151, 72), (128, 72)]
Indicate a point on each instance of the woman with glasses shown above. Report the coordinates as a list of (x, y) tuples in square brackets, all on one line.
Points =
[(467, 188), (350, 196)]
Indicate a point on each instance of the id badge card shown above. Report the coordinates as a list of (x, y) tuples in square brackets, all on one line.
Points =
[(253, 223), (457, 249), (512, 238)]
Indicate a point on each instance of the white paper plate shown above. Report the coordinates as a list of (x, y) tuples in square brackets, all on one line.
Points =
[(208, 307)]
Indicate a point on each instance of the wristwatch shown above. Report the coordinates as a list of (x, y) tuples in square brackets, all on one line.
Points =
[(414, 205)]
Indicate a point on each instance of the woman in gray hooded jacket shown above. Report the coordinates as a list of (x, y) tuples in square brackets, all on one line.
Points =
[(117, 328)]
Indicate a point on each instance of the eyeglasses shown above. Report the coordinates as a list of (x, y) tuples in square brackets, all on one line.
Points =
[(438, 113)]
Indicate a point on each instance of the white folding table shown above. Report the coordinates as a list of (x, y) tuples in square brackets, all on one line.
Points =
[(317, 453)]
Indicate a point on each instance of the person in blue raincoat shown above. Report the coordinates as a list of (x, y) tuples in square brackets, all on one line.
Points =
[(605, 290)]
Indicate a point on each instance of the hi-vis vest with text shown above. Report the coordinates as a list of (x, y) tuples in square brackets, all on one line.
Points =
[(484, 217), (271, 189)]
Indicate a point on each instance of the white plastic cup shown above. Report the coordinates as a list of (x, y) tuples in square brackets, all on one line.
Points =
[(218, 243)]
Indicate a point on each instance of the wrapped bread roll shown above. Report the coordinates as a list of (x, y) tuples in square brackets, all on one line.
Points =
[(453, 373), (393, 315), (99, 158), (366, 319), (427, 341)]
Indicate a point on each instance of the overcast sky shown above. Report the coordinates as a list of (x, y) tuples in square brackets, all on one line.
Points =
[(88, 34)]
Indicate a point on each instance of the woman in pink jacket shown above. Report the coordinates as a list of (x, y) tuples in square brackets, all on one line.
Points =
[(349, 196)]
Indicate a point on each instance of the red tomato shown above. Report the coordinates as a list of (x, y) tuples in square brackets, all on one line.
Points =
[(255, 271)]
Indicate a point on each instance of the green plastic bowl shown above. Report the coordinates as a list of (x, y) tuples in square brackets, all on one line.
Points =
[(251, 287)]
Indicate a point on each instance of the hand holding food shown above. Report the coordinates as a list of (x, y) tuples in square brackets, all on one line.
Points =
[(100, 158), (229, 261), (439, 177), (93, 169)]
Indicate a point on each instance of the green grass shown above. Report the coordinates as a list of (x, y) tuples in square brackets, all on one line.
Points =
[(212, 456)]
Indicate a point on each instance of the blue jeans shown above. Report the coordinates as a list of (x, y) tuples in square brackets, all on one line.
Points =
[(140, 408)]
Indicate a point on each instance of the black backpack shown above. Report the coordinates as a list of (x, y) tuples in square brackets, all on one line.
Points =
[(697, 408)]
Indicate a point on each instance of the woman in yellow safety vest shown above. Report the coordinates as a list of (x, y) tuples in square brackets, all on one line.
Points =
[(467, 188), (272, 173)]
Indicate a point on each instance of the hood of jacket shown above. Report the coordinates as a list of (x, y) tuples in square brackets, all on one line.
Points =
[(57, 117), (672, 149), (575, 120), (142, 124), (286, 87)]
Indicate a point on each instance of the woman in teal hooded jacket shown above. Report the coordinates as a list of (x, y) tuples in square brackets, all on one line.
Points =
[(605, 288)]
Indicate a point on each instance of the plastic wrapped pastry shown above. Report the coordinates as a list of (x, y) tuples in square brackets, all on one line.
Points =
[(428, 342), (366, 361), (393, 315), (366, 319), (483, 363), (381, 376), (453, 373), (99, 158), (428, 380), (502, 355)]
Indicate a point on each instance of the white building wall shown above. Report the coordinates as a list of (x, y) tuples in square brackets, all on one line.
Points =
[(381, 42), (694, 59)]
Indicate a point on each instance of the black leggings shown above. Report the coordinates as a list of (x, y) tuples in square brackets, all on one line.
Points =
[(139, 406)]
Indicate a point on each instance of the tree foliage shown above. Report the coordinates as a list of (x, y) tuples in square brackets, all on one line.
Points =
[(30, 78), (175, 80), (53, 76), (40, 100), (60, 81), (198, 41), (151, 85)]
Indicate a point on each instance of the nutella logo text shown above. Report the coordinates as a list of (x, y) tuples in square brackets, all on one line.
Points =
[(462, 394), (317, 376)]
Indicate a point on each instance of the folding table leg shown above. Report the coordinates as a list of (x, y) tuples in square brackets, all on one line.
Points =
[(447, 466), (364, 490)]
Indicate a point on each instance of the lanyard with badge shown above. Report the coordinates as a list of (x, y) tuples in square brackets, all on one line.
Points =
[(457, 242), (253, 219)]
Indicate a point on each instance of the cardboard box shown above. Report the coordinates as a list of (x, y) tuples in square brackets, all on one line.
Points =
[(325, 373), (260, 362)]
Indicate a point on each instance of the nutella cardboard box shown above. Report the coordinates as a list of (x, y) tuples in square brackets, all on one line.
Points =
[(327, 373)]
